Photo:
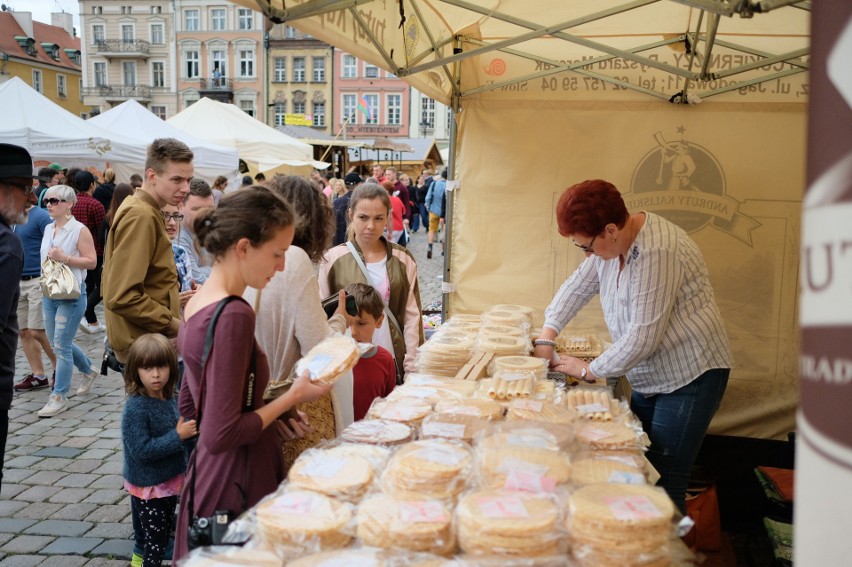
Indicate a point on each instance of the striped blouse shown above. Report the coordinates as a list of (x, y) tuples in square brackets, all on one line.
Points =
[(659, 309)]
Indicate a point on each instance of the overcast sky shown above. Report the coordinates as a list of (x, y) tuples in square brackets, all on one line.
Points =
[(42, 9)]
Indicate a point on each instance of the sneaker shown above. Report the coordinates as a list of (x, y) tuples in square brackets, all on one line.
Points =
[(92, 328), (136, 560), (55, 405), (429, 253), (88, 380), (31, 382)]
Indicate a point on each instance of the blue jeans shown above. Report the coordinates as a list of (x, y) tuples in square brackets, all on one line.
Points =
[(415, 217), (424, 216), (676, 424), (61, 319)]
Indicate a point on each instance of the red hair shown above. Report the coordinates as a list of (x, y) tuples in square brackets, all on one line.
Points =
[(586, 208)]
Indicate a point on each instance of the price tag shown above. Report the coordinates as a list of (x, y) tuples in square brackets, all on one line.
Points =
[(528, 481), (623, 477), (586, 409), (301, 504), (442, 456), (422, 511), (323, 466), (633, 508), (513, 376), (438, 429), (530, 405), (503, 507), (510, 464)]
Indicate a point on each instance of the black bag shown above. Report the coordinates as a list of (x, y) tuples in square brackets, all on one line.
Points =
[(211, 530), (110, 362)]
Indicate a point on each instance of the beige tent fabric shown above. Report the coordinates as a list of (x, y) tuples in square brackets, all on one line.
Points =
[(514, 162)]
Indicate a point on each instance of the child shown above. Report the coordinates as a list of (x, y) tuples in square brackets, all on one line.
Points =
[(153, 436), (375, 373)]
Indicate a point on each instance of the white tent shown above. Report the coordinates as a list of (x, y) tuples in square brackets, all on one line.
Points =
[(134, 120), (52, 134), (260, 146)]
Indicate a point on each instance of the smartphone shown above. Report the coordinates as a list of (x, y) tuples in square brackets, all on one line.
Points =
[(329, 305)]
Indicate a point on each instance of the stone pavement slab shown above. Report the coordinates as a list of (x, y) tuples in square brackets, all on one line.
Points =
[(68, 528), (72, 546)]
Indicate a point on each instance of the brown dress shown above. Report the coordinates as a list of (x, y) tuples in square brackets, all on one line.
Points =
[(232, 445)]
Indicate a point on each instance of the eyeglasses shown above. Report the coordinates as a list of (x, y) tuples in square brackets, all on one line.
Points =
[(587, 248), (177, 217), (54, 201)]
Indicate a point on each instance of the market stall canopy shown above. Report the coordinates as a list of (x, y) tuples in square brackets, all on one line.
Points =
[(52, 134), (684, 50), (259, 145), (310, 136), (414, 151), (130, 117)]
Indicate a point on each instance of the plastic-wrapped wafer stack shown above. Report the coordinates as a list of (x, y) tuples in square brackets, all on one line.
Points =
[(507, 385), (594, 404), (445, 353)]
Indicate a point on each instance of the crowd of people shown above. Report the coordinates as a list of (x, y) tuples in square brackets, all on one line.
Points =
[(177, 261)]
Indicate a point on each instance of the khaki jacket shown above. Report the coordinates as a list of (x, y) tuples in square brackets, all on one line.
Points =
[(140, 282)]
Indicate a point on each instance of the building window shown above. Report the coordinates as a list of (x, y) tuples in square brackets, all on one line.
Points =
[(220, 60), (247, 106), (127, 32), (394, 109), (37, 84), (129, 71), (350, 67), (298, 107), (319, 113), (156, 9), (247, 63), (299, 69), (127, 10), (427, 112), (190, 20), (217, 19), (159, 112), (98, 34), (245, 18), (280, 69), (100, 74), (189, 102), (371, 71), (373, 105), (157, 34), (191, 68), (80, 89), (349, 106), (158, 74), (61, 87), (319, 69), (290, 32), (97, 10), (280, 111)]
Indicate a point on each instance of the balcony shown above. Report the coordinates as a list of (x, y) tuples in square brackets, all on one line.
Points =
[(120, 93), (220, 89), (129, 48)]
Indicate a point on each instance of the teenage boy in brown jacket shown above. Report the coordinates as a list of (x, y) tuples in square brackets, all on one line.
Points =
[(140, 282)]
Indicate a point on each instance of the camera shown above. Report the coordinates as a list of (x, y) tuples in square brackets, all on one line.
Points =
[(209, 530)]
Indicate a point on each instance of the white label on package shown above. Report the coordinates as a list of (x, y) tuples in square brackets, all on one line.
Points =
[(422, 511), (623, 477), (511, 463), (528, 405), (503, 507), (464, 410), (324, 466), (317, 364), (528, 481), (438, 429), (633, 508), (301, 504), (586, 409), (519, 439), (445, 457), (513, 376), (594, 434)]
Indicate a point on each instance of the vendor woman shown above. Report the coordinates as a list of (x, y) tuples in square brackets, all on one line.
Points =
[(669, 339)]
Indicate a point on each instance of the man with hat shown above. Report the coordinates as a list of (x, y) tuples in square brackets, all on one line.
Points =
[(341, 205), (16, 183)]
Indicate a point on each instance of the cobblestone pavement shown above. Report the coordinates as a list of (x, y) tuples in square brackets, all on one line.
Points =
[(62, 502)]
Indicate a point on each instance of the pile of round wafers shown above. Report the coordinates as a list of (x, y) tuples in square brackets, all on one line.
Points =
[(378, 432), (330, 359), (471, 406), (608, 436), (502, 462), (618, 469), (416, 525), (452, 426), (613, 525), (445, 352), (334, 472), (304, 520), (429, 468), (538, 410), (403, 410)]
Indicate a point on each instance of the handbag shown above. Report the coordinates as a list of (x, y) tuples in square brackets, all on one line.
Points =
[(212, 530), (58, 281)]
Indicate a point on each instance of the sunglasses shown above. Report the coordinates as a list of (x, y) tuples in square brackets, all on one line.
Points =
[(54, 201), (587, 248), (174, 216)]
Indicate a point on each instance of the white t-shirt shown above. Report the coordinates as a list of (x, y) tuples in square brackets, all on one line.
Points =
[(380, 280)]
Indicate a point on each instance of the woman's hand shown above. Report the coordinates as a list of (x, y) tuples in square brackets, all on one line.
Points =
[(573, 367), (546, 352), (186, 429), (304, 390), (57, 254), (185, 296), (296, 428)]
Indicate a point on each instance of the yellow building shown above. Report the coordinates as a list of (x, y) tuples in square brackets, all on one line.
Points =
[(46, 57)]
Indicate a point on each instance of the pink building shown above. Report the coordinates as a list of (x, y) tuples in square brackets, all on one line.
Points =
[(384, 96)]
